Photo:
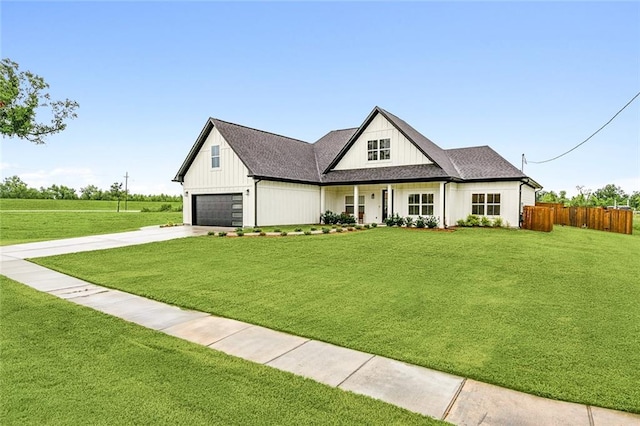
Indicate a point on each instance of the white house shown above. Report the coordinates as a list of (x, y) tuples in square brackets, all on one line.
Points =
[(239, 176)]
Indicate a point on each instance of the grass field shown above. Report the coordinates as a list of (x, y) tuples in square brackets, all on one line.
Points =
[(553, 314), (66, 364), (20, 204)]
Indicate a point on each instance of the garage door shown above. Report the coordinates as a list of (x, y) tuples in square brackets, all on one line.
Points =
[(217, 210)]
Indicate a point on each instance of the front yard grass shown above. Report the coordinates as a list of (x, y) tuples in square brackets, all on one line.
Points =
[(25, 227), (65, 364), (553, 314)]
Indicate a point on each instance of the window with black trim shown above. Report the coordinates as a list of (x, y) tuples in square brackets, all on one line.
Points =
[(420, 204), (348, 204), (488, 204), (215, 156), (379, 149)]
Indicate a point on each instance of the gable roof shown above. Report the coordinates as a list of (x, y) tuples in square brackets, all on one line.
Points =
[(275, 157), (432, 151)]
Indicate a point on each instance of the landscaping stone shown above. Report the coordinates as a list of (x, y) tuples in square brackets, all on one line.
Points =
[(322, 362), (418, 389)]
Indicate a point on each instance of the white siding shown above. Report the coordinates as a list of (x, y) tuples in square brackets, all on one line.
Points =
[(459, 200), (528, 196), (403, 152), (282, 203), (230, 177)]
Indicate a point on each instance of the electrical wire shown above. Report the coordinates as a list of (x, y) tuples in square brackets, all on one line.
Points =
[(592, 135)]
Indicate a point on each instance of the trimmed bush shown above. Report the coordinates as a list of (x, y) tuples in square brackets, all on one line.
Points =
[(240, 234), (325, 230), (222, 234), (374, 225), (420, 222), (339, 229), (283, 233), (432, 221), (307, 232), (314, 229), (497, 222), (485, 221), (408, 221), (297, 230), (262, 234), (277, 230), (211, 233), (257, 230)]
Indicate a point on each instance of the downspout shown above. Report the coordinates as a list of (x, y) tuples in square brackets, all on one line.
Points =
[(444, 205), (520, 205), (255, 202)]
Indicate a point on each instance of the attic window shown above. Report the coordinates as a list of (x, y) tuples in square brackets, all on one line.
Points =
[(215, 156), (379, 150)]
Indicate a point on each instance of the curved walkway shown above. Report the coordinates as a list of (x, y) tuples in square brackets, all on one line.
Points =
[(440, 395)]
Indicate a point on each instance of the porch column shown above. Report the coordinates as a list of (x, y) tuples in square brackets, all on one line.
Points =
[(323, 200), (355, 202), (389, 204), (442, 204)]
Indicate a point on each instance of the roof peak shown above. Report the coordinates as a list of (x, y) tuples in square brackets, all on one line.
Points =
[(260, 130)]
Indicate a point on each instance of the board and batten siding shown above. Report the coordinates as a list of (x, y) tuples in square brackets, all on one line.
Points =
[(403, 152), (283, 203), (459, 200), (230, 178)]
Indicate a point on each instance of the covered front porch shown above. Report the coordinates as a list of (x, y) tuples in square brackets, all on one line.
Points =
[(375, 202)]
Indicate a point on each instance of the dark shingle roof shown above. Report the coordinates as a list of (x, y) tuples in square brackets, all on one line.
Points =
[(482, 162), (420, 172), (270, 156)]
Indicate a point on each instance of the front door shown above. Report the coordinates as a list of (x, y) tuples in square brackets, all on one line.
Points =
[(385, 207)]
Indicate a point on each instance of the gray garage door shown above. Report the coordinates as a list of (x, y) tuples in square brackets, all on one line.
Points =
[(217, 210)]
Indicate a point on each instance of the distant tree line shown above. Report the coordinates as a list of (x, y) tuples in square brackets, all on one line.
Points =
[(14, 187), (608, 195)]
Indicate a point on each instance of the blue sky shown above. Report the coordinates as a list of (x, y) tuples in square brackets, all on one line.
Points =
[(534, 78)]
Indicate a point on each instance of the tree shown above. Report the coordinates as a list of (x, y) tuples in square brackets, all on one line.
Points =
[(22, 94), (610, 195), (116, 191), (14, 187), (90, 192)]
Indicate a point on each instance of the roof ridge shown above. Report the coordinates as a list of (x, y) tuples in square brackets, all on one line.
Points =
[(262, 131), (470, 147)]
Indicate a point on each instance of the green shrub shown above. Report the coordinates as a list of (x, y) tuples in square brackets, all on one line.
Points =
[(307, 232), (472, 220), (145, 210), (339, 229), (358, 227), (497, 222), (461, 222), (325, 230), (329, 218), (283, 233), (240, 233), (164, 208), (222, 234), (314, 229), (277, 230), (420, 222), (367, 226), (239, 230), (346, 219), (485, 221), (408, 221), (177, 208), (350, 228), (211, 233), (262, 234), (257, 230), (297, 230), (374, 225), (431, 221)]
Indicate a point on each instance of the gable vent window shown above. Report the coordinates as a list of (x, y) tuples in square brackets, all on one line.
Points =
[(379, 149), (488, 204), (215, 156)]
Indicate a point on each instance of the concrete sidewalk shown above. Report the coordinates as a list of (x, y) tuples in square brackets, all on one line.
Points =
[(443, 396)]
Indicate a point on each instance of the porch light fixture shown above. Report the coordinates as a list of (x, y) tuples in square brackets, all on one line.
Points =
[(247, 191), (373, 196)]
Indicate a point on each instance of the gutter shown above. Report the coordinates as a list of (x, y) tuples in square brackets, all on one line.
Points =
[(444, 205), (520, 204), (255, 202)]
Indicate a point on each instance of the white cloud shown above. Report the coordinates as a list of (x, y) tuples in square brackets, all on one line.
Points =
[(67, 176)]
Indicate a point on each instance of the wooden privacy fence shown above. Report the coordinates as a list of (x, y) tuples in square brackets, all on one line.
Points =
[(538, 218), (598, 218)]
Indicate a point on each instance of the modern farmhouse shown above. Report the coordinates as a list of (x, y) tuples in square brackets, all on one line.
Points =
[(239, 176)]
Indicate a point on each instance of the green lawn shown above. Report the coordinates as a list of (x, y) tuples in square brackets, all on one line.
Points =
[(66, 364), (553, 314), (25, 227), (36, 204)]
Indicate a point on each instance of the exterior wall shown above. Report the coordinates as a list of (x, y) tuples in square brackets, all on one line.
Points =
[(282, 203), (403, 152), (230, 177), (528, 196), (459, 200)]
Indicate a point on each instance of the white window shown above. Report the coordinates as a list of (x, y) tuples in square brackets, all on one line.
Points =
[(348, 204), (488, 204), (215, 156), (379, 149), (421, 205)]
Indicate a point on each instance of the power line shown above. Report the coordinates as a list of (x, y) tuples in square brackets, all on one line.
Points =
[(584, 141)]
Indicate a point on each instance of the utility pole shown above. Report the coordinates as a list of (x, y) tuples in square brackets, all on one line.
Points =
[(126, 192), (524, 160)]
